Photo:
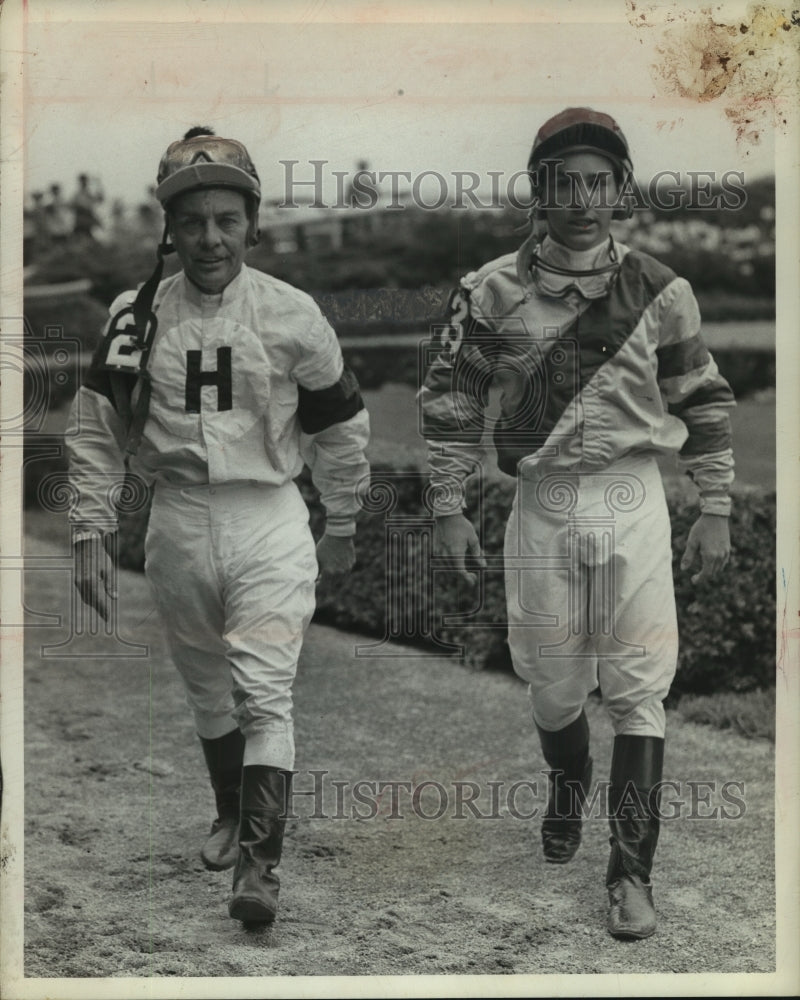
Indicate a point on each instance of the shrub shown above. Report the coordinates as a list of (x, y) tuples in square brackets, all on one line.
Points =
[(375, 366), (112, 268), (727, 626), (724, 306), (746, 370), (73, 322)]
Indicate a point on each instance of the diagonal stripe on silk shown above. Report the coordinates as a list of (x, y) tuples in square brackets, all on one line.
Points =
[(599, 332)]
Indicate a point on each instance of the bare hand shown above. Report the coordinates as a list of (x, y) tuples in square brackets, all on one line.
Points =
[(335, 555), (94, 575), (710, 539), (454, 536)]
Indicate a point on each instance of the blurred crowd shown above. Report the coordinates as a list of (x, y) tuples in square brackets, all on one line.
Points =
[(51, 220), (730, 254)]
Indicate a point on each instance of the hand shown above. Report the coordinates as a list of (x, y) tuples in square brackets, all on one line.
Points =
[(710, 538), (335, 555), (93, 572), (454, 536)]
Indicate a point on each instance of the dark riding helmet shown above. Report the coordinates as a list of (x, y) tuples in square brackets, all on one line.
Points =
[(581, 129)]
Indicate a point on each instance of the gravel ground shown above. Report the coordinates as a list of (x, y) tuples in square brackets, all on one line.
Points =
[(117, 805)]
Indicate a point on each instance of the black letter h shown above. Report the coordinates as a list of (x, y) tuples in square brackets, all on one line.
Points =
[(196, 379)]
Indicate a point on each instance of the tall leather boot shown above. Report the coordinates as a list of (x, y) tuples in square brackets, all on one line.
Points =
[(224, 758), (636, 769), (567, 754), (264, 806)]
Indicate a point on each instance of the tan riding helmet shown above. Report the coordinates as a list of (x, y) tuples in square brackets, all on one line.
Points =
[(202, 159)]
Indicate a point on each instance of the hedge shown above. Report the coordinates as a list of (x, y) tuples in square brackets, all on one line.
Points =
[(727, 629), (60, 336), (746, 370), (80, 320), (727, 626)]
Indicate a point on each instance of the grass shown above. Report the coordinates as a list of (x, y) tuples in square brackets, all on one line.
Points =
[(720, 306), (749, 713)]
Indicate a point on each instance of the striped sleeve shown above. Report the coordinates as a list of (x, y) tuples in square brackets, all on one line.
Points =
[(452, 402), (697, 394)]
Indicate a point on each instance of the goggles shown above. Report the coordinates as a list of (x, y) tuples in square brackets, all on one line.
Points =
[(206, 161)]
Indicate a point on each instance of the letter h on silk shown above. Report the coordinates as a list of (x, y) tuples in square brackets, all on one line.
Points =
[(196, 378)]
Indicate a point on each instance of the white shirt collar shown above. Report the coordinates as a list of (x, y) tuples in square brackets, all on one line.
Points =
[(593, 286), (229, 292)]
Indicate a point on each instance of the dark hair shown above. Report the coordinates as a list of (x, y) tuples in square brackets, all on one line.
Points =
[(197, 130)]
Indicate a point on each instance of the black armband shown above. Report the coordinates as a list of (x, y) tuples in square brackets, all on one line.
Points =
[(318, 409)]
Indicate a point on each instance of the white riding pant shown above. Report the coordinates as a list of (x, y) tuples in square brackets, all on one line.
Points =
[(232, 570), (589, 589)]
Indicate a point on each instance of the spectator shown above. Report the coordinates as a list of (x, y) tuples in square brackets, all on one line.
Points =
[(83, 205), (34, 233), (57, 216)]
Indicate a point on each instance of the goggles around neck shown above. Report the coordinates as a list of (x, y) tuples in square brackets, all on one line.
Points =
[(590, 282)]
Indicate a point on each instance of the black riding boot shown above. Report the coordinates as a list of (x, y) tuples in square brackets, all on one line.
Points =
[(264, 806), (567, 754), (224, 761), (636, 769)]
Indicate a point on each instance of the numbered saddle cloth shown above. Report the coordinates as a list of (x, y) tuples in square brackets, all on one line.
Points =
[(237, 384)]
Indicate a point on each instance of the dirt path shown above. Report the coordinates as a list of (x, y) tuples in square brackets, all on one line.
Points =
[(117, 805)]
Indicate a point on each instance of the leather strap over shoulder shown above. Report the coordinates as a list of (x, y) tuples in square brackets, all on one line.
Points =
[(124, 355)]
